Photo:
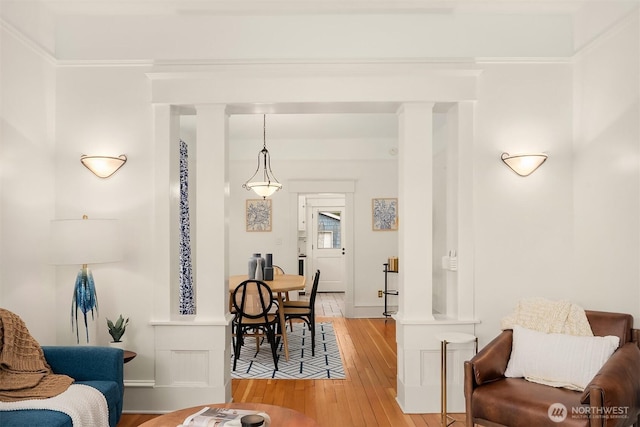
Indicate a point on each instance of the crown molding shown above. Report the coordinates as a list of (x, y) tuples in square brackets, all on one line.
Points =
[(611, 31), (49, 56), (32, 45)]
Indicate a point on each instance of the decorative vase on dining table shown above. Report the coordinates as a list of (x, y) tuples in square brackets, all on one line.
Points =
[(253, 263), (259, 274), (268, 269)]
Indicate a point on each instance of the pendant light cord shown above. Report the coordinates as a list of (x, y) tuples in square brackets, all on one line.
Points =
[(264, 131)]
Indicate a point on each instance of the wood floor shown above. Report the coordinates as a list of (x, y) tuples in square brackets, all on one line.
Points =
[(367, 397)]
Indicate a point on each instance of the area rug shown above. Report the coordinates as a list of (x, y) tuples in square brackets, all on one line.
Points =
[(326, 364)]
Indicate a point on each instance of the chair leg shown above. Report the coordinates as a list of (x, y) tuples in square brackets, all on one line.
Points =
[(236, 354), (258, 336), (311, 321), (312, 327), (271, 334), (278, 333)]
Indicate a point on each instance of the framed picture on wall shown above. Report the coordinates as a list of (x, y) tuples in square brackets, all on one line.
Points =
[(384, 214), (258, 215)]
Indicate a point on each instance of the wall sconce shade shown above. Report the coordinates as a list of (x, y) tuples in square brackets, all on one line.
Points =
[(103, 166), (268, 184), (524, 164)]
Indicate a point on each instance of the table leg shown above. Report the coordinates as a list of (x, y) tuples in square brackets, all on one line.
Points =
[(283, 327)]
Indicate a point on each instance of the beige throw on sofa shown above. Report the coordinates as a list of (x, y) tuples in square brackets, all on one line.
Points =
[(542, 315), (24, 372)]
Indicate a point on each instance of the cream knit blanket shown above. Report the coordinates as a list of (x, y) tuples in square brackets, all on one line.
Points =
[(86, 406), (547, 316)]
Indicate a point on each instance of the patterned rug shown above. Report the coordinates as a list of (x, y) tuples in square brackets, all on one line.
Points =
[(326, 364)]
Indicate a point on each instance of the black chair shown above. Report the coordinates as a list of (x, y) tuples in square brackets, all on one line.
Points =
[(256, 311), (305, 311)]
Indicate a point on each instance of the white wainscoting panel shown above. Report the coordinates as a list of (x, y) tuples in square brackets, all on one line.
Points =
[(188, 361), (419, 365)]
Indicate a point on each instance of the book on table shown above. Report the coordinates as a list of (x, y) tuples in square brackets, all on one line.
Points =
[(220, 417)]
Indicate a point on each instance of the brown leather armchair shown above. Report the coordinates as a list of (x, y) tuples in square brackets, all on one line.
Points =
[(611, 399)]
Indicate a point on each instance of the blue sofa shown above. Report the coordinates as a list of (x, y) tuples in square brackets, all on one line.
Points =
[(98, 367)]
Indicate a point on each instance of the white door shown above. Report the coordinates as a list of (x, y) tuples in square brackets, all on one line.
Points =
[(328, 247)]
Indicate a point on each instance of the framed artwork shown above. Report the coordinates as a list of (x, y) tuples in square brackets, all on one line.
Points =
[(384, 214), (258, 216)]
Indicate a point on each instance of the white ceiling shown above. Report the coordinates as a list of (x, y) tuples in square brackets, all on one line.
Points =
[(189, 32), (198, 31), (176, 7), (314, 126)]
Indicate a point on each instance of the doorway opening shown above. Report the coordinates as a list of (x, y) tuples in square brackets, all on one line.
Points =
[(324, 244)]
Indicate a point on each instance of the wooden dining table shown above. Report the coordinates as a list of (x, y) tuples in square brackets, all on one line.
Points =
[(280, 285)]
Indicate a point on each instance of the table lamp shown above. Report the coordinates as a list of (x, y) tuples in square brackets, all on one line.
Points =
[(84, 241)]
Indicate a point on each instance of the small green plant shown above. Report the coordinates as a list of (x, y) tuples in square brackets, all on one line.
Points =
[(117, 330)]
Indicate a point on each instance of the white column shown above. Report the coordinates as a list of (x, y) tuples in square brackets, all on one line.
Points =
[(415, 200), (466, 286), (167, 136), (418, 383), (191, 353), (452, 191), (211, 214)]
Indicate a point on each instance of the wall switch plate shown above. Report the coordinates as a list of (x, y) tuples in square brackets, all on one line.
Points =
[(450, 262)]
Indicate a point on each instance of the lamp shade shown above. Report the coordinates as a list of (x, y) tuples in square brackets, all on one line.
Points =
[(103, 166), (264, 189), (524, 164), (85, 241)]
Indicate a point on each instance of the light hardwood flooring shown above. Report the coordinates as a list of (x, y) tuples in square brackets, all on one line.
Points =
[(367, 397)]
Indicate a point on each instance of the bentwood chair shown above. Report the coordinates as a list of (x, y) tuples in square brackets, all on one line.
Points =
[(256, 311), (305, 311), (277, 270)]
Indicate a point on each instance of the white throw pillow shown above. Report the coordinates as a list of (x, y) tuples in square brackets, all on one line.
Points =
[(558, 360)]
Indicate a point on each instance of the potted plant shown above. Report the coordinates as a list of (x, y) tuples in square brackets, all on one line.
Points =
[(116, 330)]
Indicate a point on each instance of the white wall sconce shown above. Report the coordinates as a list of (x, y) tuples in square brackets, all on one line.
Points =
[(524, 164), (103, 166)]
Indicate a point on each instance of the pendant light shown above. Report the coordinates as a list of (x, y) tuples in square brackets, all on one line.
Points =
[(267, 184)]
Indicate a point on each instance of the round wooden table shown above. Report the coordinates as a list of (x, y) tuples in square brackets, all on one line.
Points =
[(280, 416)]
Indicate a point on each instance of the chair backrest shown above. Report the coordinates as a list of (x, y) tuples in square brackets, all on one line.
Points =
[(277, 269), (314, 289), (605, 323), (253, 299)]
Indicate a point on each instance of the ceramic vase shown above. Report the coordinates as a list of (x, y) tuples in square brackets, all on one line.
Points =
[(253, 263), (259, 270)]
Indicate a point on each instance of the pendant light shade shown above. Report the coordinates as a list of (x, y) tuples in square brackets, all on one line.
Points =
[(524, 164), (264, 183)]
